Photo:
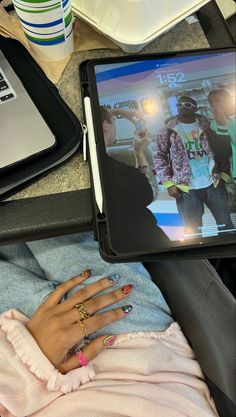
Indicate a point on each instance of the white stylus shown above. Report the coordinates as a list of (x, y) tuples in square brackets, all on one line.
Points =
[(93, 154)]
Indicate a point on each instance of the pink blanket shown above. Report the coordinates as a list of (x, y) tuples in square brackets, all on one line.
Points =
[(149, 374)]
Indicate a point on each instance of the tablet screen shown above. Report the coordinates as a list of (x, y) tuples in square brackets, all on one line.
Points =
[(173, 118)]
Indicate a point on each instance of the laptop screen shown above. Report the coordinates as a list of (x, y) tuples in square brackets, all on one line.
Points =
[(24, 133), (174, 119)]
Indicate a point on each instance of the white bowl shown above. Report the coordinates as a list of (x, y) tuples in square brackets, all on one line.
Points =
[(132, 24)]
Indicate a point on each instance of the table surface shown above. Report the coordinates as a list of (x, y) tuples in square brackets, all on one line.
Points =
[(59, 203)]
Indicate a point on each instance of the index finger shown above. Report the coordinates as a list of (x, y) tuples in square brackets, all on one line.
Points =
[(55, 297)]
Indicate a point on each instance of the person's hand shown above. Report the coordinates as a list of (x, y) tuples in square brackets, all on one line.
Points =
[(136, 114), (219, 116), (127, 114), (141, 143), (56, 326), (173, 191)]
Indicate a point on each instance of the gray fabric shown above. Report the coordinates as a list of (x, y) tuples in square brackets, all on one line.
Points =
[(206, 311)]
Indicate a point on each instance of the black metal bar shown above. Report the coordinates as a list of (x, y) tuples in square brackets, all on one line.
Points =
[(214, 26), (46, 216)]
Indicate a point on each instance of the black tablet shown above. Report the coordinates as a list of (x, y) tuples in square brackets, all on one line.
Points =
[(162, 145)]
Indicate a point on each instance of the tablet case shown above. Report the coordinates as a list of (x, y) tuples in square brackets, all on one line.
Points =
[(59, 117), (139, 224)]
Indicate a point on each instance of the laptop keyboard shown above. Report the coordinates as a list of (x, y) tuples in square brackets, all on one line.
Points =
[(6, 91)]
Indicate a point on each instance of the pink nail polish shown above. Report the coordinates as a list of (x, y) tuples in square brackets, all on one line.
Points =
[(109, 341)]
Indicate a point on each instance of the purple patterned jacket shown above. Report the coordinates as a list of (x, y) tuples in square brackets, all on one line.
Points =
[(176, 168)]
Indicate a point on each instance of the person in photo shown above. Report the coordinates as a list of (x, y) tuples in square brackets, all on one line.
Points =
[(185, 164), (142, 140), (224, 142)]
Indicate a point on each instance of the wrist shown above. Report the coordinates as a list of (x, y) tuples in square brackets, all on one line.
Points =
[(141, 159), (138, 151), (168, 184)]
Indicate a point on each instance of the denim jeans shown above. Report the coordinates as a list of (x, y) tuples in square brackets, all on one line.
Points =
[(30, 272), (191, 207)]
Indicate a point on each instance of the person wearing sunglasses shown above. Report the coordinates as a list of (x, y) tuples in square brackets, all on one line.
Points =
[(185, 164)]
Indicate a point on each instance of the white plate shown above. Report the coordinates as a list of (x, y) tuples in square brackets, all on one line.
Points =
[(132, 24)]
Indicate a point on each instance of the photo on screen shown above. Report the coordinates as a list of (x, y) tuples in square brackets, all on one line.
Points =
[(174, 120)]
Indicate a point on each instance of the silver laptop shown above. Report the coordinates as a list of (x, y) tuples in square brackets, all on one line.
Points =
[(23, 131)]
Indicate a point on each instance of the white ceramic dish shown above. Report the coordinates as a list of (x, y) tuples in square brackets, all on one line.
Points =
[(132, 24)]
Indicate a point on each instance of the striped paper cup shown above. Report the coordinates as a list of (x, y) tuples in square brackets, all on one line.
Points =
[(48, 27)]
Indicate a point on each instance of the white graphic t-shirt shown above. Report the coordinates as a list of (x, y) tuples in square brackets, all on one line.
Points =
[(198, 159)]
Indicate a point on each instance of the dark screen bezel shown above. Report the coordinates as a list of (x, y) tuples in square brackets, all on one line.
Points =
[(128, 248)]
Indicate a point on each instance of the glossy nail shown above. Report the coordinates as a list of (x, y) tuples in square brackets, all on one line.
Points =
[(127, 289), (113, 278), (127, 309), (109, 341), (86, 273)]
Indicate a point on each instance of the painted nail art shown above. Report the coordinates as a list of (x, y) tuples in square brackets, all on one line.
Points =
[(86, 273), (127, 309), (113, 278), (109, 341), (127, 289)]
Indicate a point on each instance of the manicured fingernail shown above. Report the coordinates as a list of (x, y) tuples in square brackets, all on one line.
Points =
[(127, 289), (113, 278), (86, 273), (109, 341), (127, 309)]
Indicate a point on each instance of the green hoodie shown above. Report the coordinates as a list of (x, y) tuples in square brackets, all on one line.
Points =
[(228, 129)]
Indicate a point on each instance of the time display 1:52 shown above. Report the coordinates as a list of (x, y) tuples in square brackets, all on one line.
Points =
[(172, 79)]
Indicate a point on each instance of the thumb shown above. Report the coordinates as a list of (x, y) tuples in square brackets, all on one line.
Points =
[(90, 351)]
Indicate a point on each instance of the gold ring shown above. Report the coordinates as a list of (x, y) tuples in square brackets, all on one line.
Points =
[(83, 327), (82, 311)]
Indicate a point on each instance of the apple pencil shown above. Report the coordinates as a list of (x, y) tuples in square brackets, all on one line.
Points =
[(93, 154)]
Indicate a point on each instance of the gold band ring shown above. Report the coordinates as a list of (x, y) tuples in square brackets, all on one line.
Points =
[(83, 312), (83, 327)]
